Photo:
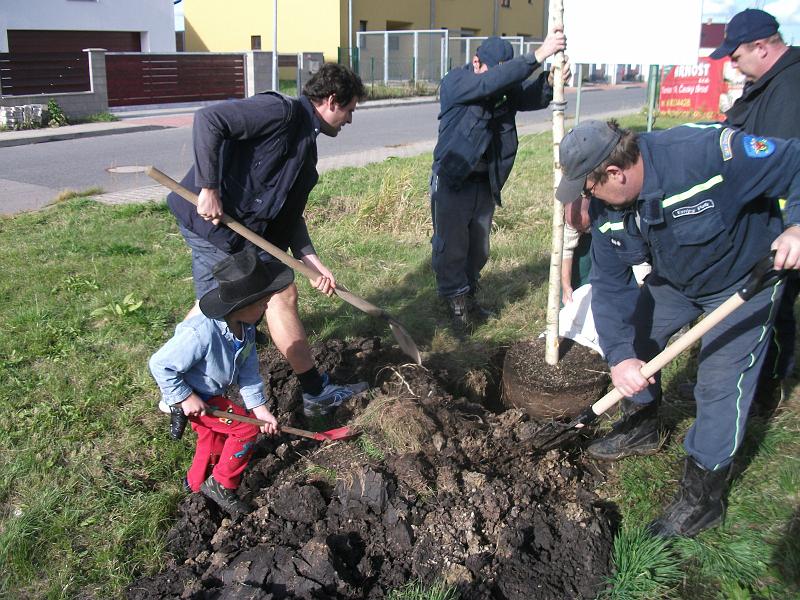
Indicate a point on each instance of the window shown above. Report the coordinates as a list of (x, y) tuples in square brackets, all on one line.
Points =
[(255, 42)]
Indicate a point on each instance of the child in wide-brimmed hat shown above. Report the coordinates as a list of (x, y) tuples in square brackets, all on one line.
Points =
[(208, 353)]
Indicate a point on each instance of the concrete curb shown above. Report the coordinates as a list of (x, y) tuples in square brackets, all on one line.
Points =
[(38, 136)]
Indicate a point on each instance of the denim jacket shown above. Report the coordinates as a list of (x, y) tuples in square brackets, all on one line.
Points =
[(202, 357)]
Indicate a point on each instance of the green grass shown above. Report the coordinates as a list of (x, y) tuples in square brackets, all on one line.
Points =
[(417, 591), (89, 481)]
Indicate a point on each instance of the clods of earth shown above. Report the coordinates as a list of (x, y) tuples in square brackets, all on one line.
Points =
[(443, 486)]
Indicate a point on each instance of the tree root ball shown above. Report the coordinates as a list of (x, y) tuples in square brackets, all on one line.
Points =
[(562, 391)]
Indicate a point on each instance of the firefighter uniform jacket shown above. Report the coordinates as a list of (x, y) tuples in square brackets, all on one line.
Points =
[(701, 219)]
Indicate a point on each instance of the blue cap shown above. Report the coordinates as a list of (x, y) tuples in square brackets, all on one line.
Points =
[(494, 50), (747, 26), (581, 151)]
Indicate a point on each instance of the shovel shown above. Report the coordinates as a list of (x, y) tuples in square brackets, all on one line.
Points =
[(340, 433), (400, 333), (555, 433)]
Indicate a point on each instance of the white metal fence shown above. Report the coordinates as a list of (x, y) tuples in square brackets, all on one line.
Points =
[(399, 56)]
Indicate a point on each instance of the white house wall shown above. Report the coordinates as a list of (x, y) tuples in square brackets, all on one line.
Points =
[(153, 18)]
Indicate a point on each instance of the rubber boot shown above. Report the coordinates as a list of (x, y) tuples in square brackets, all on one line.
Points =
[(459, 313), (635, 434), (699, 504)]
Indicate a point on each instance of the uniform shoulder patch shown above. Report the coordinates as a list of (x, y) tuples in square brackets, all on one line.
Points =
[(725, 143), (758, 147)]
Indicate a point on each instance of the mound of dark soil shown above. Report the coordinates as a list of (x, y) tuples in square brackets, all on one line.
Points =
[(476, 507)]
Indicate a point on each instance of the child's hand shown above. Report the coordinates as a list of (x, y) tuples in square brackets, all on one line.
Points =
[(193, 406), (271, 425)]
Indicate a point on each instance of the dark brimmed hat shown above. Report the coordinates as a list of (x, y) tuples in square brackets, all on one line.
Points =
[(243, 279), (582, 150), (494, 50), (747, 26)]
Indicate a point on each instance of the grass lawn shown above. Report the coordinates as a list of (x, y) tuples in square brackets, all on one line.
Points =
[(89, 481)]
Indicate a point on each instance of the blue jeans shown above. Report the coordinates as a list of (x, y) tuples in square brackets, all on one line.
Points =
[(462, 219), (204, 256), (730, 359)]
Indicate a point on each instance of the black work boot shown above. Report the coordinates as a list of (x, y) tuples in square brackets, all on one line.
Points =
[(226, 499), (477, 312), (459, 313), (699, 504), (635, 434)]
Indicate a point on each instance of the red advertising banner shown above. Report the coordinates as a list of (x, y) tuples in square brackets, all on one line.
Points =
[(708, 88)]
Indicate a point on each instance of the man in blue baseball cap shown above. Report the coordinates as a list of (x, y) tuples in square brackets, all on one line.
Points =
[(473, 158), (768, 107), (745, 27)]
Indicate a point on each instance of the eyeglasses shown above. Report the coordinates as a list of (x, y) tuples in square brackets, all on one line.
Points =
[(587, 192)]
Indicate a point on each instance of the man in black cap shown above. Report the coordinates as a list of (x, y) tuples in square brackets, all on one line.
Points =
[(473, 158), (693, 202), (769, 106)]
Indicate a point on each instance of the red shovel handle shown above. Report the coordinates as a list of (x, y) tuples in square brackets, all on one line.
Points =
[(320, 437)]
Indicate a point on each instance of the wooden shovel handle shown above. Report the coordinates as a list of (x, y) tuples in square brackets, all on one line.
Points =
[(253, 421), (285, 258), (761, 275)]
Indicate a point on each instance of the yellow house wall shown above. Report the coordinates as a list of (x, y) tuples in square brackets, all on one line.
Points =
[(520, 18), (303, 25), (321, 25)]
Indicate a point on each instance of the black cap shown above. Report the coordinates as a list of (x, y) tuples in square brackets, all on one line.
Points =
[(495, 50), (582, 150), (747, 26), (243, 279)]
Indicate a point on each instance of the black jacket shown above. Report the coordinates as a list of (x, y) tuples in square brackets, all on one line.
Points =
[(477, 118), (261, 152), (771, 106)]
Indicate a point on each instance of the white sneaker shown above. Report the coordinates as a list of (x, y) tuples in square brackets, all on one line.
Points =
[(331, 397), (164, 407)]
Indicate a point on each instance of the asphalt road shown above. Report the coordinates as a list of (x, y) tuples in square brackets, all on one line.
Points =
[(32, 175)]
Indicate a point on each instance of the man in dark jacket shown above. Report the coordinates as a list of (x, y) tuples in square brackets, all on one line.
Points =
[(255, 160), (473, 158), (769, 106), (694, 202)]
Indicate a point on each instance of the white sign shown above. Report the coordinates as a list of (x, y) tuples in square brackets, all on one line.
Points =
[(646, 32)]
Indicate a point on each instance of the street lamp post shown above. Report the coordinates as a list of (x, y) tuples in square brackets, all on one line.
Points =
[(275, 83)]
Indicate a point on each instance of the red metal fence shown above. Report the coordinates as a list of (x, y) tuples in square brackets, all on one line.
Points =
[(163, 78), (52, 73)]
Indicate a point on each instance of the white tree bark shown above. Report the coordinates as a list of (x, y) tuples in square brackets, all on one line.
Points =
[(554, 288)]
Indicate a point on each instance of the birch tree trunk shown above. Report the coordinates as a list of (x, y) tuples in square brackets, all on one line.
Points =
[(559, 104)]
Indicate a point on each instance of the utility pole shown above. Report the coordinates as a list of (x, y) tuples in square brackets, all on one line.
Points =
[(350, 48), (275, 83)]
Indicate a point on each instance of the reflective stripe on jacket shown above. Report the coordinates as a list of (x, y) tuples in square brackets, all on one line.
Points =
[(704, 220)]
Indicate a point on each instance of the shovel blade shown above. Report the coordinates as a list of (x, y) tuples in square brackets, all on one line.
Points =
[(340, 433), (553, 434), (404, 340)]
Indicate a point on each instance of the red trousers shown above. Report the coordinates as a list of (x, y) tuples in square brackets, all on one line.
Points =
[(223, 446)]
